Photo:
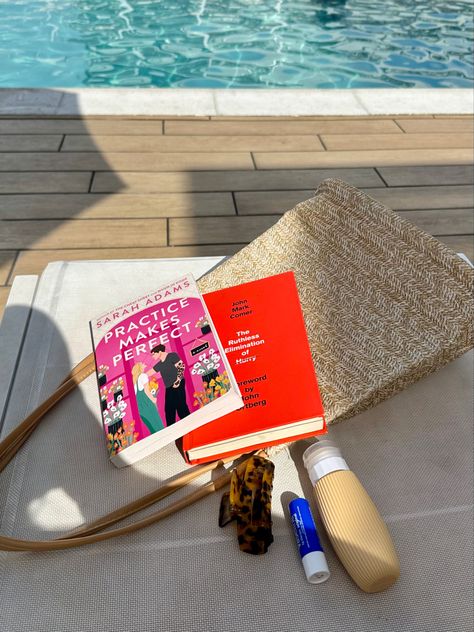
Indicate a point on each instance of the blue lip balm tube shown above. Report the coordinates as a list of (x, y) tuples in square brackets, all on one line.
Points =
[(311, 551)]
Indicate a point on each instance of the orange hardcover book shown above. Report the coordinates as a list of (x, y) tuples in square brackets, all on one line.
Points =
[(262, 330)]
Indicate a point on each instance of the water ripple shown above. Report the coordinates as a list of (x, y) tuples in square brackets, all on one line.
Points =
[(236, 43)]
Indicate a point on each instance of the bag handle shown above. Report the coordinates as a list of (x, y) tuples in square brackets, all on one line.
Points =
[(88, 533)]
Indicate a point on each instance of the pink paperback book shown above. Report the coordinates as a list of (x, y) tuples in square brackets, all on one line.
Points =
[(161, 370)]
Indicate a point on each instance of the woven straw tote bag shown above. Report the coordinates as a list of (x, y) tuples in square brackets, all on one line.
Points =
[(385, 303)]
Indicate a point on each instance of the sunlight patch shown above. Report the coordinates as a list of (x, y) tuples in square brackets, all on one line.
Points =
[(55, 510)]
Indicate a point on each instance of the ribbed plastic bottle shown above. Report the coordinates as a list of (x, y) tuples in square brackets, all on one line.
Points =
[(357, 532)]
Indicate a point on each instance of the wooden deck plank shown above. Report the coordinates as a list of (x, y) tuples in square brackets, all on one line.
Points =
[(269, 202), (167, 143), (359, 142), (452, 222), (442, 197), (230, 180), (279, 126), (453, 116), (57, 161), (459, 243), (434, 175), (208, 230), (436, 126), (95, 206), (24, 142), (198, 161), (77, 233), (50, 182), (34, 261), (7, 259), (409, 198), (96, 161), (374, 158), (318, 117), (81, 126), (203, 161)]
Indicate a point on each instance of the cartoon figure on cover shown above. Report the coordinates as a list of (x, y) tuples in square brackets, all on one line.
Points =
[(171, 368), (145, 391)]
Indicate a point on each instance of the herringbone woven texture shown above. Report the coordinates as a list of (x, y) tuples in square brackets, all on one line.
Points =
[(385, 303)]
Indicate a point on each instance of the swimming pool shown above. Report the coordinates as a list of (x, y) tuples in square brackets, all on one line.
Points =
[(236, 43)]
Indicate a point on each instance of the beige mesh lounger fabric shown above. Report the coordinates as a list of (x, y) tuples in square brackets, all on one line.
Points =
[(413, 452)]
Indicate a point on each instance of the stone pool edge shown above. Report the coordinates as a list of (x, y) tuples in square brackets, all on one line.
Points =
[(234, 102)]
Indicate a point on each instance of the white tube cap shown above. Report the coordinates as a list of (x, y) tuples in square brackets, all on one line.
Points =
[(316, 567), (321, 458)]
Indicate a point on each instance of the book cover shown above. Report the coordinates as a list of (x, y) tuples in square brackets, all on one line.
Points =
[(154, 356), (262, 328)]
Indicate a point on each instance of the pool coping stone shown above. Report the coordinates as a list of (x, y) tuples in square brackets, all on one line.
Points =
[(234, 102)]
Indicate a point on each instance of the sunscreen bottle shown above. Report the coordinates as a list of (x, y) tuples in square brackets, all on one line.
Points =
[(355, 528)]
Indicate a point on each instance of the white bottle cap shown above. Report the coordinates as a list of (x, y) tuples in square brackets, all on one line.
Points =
[(315, 567), (321, 458)]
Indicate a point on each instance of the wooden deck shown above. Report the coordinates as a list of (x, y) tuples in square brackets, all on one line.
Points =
[(101, 188)]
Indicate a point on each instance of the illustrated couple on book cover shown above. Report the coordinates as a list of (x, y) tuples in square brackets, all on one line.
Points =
[(171, 369)]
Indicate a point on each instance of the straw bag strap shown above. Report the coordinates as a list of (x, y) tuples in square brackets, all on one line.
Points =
[(88, 533)]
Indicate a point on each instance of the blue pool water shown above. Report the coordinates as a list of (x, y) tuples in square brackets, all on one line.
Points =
[(236, 43)]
